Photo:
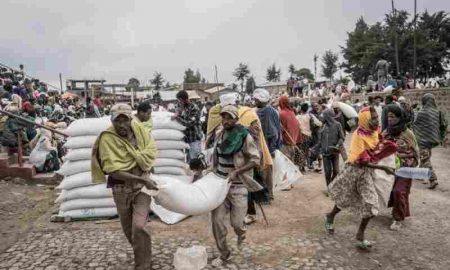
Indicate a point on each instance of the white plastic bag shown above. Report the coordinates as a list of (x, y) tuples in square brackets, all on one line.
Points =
[(90, 212), (165, 215), (169, 162), (79, 154), (167, 134), (384, 182), (87, 203), (169, 170), (200, 197), (76, 180), (74, 167), (284, 172), (80, 142), (39, 153), (171, 145), (192, 258), (89, 192), (183, 178), (175, 154)]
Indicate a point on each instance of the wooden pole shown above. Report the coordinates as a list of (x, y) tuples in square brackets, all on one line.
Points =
[(397, 62), (415, 40), (33, 123)]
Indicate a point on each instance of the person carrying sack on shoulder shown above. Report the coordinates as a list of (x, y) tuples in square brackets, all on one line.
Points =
[(235, 156), (126, 153)]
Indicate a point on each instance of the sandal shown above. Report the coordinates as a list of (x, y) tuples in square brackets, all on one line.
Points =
[(364, 245), (433, 185), (218, 262), (329, 226)]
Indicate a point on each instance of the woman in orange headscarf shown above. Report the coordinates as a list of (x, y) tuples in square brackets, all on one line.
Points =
[(354, 188)]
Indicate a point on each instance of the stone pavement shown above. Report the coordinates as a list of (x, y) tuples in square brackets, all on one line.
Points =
[(108, 249)]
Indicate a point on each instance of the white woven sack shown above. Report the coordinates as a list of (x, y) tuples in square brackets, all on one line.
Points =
[(88, 126), (76, 180), (175, 154), (93, 191), (80, 142), (79, 154), (169, 162), (169, 170), (87, 203), (90, 212), (200, 197), (165, 215), (167, 134), (74, 167), (183, 178), (171, 145), (167, 124)]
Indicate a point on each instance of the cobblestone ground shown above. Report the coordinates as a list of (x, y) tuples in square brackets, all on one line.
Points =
[(108, 249)]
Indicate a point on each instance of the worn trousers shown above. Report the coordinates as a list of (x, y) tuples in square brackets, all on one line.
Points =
[(425, 162), (236, 204), (133, 208), (331, 167)]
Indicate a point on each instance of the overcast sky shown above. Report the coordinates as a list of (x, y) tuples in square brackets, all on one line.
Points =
[(116, 40)]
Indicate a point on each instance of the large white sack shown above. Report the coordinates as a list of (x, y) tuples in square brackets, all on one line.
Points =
[(166, 123), (89, 192), (79, 154), (80, 142), (74, 167), (87, 203), (200, 197), (183, 178), (171, 145), (175, 154), (169, 162), (165, 215), (347, 110), (90, 212), (88, 126), (169, 170), (284, 172), (384, 182), (167, 134), (76, 180)]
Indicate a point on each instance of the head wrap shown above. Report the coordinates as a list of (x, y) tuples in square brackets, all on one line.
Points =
[(261, 94), (364, 138), (228, 99), (401, 125)]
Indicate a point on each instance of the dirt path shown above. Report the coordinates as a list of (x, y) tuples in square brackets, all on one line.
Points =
[(295, 233)]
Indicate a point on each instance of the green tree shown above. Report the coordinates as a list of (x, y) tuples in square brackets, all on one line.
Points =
[(191, 77), (329, 64), (250, 85), (292, 70), (241, 73), (168, 85), (305, 73), (157, 80), (134, 84), (273, 74)]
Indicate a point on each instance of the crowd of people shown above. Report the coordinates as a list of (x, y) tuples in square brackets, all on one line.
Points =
[(244, 139)]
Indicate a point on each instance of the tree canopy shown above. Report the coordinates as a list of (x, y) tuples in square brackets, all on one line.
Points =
[(157, 80), (192, 77), (305, 73), (241, 73), (329, 64), (250, 85), (273, 73), (366, 44)]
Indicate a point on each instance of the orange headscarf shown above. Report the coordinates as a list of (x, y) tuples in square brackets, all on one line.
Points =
[(364, 138)]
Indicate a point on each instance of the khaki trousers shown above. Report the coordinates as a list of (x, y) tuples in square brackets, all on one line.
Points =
[(133, 208), (236, 204)]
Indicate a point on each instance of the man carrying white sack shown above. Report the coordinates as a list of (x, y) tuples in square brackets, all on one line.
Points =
[(126, 153), (235, 157)]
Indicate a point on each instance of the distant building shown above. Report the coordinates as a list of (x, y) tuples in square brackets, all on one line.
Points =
[(274, 88), (84, 87)]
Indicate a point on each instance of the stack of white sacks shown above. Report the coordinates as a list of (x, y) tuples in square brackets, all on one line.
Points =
[(171, 159), (79, 197)]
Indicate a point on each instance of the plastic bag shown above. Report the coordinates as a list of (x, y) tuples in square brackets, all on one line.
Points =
[(284, 172), (39, 153)]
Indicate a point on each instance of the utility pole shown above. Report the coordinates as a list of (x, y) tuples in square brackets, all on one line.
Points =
[(415, 40), (397, 63), (315, 66), (60, 81)]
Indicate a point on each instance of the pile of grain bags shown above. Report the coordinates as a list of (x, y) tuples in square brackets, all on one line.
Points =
[(171, 159), (80, 198)]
